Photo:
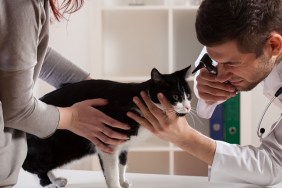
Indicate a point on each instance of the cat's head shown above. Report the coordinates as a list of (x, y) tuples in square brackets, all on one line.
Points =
[(175, 88)]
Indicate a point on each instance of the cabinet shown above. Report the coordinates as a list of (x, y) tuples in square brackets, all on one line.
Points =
[(124, 42), (132, 39)]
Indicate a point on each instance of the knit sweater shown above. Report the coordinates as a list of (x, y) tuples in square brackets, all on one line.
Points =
[(25, 56)]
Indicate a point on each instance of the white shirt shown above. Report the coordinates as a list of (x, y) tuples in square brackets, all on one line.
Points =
[(248, 164)]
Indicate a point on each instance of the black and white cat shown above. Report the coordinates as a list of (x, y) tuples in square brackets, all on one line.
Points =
[(63, 146)]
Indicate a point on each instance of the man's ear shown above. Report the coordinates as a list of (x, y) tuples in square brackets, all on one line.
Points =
[(275, 43)]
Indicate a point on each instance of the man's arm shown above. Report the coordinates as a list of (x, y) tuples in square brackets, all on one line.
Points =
[(230, 162)]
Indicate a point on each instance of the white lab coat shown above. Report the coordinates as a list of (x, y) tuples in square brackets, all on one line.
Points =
[(248, 164)]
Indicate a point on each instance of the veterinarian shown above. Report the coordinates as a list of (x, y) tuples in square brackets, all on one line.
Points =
[(244, 37), (25, 56)]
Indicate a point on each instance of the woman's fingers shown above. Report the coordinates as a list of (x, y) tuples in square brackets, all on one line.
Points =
[(111, 135), (105, 118), (113, 123), (103, 147), (95, 102), (93, 124)]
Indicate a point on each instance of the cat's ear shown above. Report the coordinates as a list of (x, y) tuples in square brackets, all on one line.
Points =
[(156, 76), (184, 72)]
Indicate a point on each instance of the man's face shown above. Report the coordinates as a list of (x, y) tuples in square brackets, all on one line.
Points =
[(243, 70)]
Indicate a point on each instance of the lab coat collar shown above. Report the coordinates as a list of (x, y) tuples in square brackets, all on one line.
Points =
[(272, 83)]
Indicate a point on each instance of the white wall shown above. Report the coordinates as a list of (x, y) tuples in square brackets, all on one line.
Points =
[(74, 40)]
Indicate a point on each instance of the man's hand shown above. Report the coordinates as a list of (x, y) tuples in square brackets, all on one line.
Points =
[(168, 126), (210, 90), (164, 124)]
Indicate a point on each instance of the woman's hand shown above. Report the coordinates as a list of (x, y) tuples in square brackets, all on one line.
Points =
[(85, 120), (211, 90), (164, 124)]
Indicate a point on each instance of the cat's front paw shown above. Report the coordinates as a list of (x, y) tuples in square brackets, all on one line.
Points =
[(125, 184), (60, 182), (51, 186)]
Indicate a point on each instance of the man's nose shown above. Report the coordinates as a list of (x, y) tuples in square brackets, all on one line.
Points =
[(223, 75)]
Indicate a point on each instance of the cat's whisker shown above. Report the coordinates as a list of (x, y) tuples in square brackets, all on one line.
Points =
[(194, 113), (191, 115)]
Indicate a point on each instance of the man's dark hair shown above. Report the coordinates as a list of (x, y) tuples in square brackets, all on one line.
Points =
[(247, 22)]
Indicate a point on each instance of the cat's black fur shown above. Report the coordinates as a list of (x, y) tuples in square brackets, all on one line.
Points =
[(63, 146)]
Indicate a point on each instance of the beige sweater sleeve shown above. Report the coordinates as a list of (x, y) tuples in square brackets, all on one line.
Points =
[(23, 45)]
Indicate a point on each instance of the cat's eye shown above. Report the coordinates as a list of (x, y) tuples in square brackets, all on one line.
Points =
[(175, 97)]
